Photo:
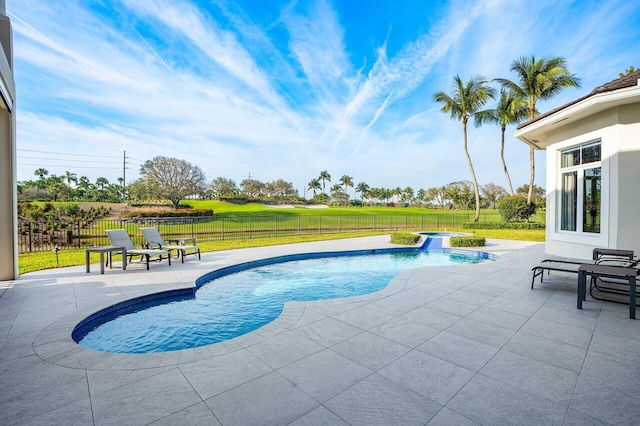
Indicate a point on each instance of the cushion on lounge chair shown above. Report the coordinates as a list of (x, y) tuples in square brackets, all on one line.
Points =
[(154, 239), (120, 237)]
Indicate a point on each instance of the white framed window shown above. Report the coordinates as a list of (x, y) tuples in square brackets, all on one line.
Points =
[(581, 188)]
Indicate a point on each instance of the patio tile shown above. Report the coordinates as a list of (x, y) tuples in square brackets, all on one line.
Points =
[(308, 316), (536, 377), (391, 306), (431, 318), (471, 298), (380, 401), (458, 350), (434, 378), (324, 375), (481, 332), (577, 336), (488, 401), (267, 400), (370, 350), (328, 332), (498, 318), (363, 317), (78, 413), (619, 324), (607, 389), (406, 332), (102, 381), (196, 415), (284, 349), (320, 416), (219, 374), (521, 307), (616, 346), (570, 316), (31, 387), (552, 352), (447, 417), (144, 401), (421, 295), (455, 307), (575, 418)]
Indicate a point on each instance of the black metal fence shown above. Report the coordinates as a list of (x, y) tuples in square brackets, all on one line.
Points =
[(41, 236)]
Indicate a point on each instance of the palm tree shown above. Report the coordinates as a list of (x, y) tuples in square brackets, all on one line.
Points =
[(41, 173), (314, 185), (337, 193), (346, 181), (465, 102), (68, 178), (538, 79), (511, 109), (324, 177), (363, 189), (102, 182)]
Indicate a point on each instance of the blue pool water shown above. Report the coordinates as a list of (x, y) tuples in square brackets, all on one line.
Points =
[(234, 304)]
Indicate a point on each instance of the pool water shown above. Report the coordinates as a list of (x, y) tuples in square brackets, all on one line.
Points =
[(235, 304)]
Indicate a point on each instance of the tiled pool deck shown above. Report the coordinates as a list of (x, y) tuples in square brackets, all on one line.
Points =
[(462, 345)]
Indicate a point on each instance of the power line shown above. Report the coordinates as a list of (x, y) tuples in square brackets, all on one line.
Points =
[(68, 153), (63, 159), (63, 166)]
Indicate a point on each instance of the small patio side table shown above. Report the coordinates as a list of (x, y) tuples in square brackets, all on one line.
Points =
[(618, 272), (182, 241), (109, 250)]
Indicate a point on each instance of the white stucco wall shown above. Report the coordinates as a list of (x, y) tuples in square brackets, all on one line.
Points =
[(618, 129), (8, 193), (627, 220)]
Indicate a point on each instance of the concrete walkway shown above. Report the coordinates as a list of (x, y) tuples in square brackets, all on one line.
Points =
[(454, 345)]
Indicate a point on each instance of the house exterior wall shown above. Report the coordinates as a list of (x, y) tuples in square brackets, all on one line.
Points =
[(618, 129), (628, 188), (8, 192)]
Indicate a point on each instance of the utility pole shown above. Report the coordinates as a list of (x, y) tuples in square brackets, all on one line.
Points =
[(124, 176)]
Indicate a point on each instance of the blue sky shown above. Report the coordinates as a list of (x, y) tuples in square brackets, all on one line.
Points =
[(285, 89)]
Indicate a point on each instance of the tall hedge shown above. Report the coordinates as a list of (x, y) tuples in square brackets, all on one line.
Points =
[(515, 208)]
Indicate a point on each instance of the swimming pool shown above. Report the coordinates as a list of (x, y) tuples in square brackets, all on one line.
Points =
[(236, 300)]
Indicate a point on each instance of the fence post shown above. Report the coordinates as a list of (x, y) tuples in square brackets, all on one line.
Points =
[(30, 245), (298, 225), (339, 223), (192, 228), (78, 234), (250, 228), (222, 228), (374, 222), (320, 225), (276, 224)]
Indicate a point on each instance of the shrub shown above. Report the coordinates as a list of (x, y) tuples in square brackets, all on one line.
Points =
[(503, 225), (466, 242), (404, 238), (144, 213), (516, 208)]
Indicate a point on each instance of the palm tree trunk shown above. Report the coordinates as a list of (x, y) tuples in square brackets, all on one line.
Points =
[(532, 159), (473, 173), (532, 162), (504, 164)]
